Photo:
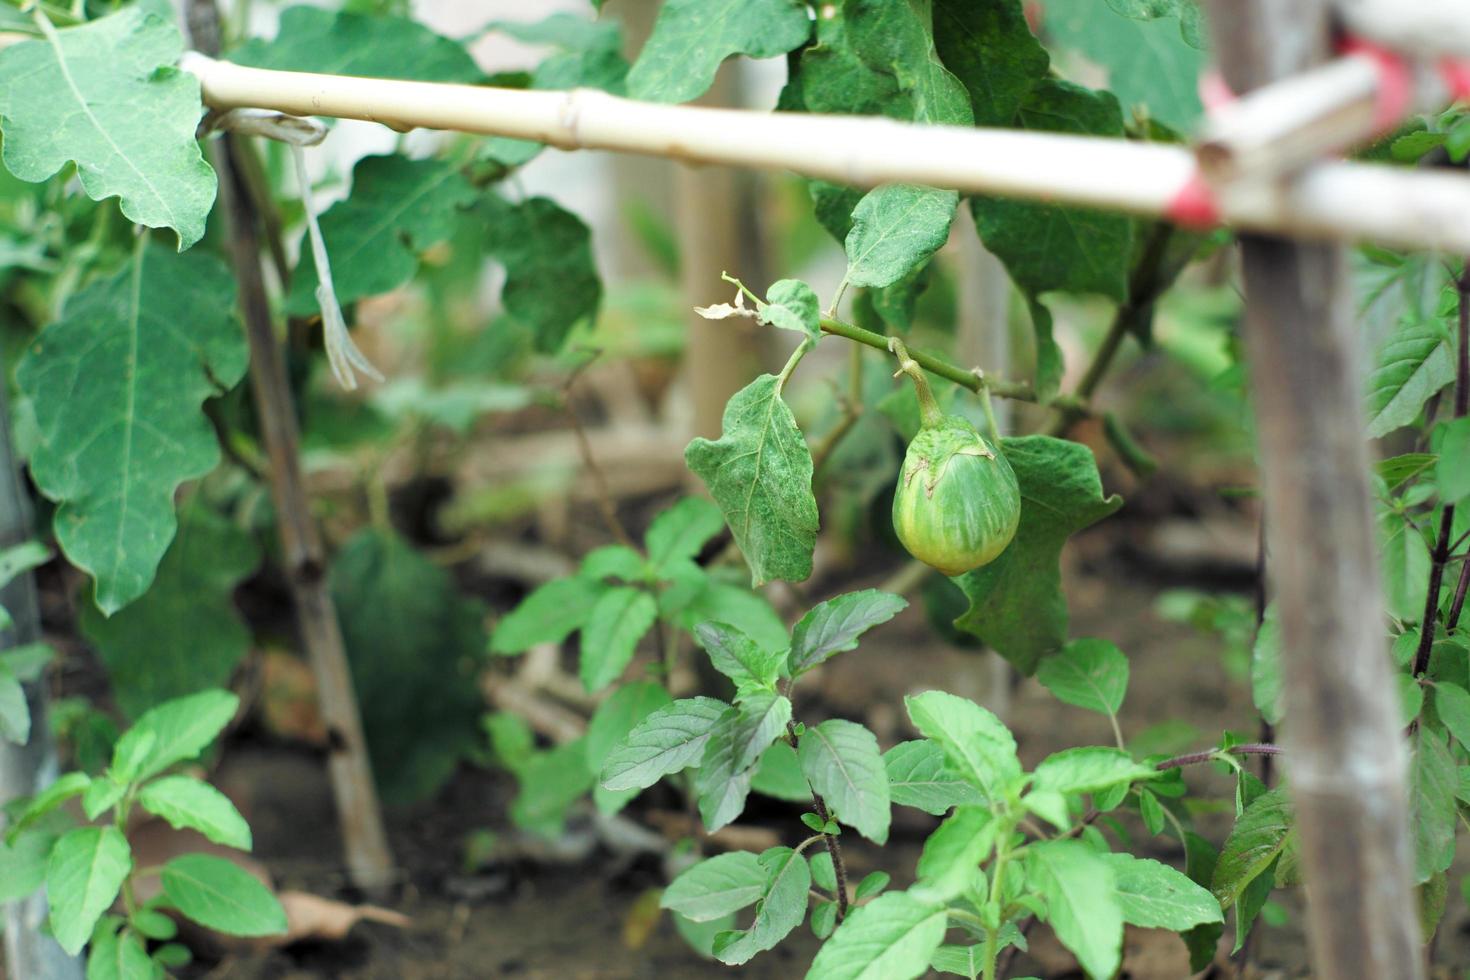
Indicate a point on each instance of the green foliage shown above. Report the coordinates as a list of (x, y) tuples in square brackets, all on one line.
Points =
[(691, 38), (782, 907), (115, 387), (412, 641), (1082, 905), (842, 762), (667, 741), (83, 876), (1016, 602), (551, 281), (834, 626), (106, 96), (894, 229), (1090, 674), (345, 43), (398, 208), (991, 50), (892, 936), (760, 474), (1413, 365), (919, 776), (184, 634), (222, 896), (977, 746)]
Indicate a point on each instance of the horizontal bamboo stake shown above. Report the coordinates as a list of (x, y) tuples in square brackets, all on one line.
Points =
[(1411, 209), (1423, 27)]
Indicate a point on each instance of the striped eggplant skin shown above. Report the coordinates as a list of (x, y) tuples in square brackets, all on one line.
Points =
[(957, 504)]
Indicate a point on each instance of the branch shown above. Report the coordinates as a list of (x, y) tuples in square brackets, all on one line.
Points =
[(1209, 755), (1413, 209)]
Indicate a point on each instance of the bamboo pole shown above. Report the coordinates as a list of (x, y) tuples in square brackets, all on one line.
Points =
[(364, 840), (1334, 201), (1342, 729)]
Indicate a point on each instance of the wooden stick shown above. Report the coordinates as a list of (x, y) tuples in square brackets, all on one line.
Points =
[(1342, 728), (369, 862), (1425, 27), (1342, 201)]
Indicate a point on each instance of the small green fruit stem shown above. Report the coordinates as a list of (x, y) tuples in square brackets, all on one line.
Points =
[(928, 407), (997, 879)]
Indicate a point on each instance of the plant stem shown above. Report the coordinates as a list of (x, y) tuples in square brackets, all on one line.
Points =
[(928, 408), (589, 460), (1440, 557), (834, 849), (997, 881), (1210, 755), (1017, 390)]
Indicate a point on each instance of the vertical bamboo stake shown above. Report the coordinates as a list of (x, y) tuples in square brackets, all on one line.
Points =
[(369, 863), (30, 952), (1347, 756)]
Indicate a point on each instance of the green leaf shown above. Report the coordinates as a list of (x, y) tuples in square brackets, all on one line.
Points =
[(1405, 557), (184, 634), (188, 803), (1262, 834), (716, 886), (1016, 602), (1090, 674), (1412, 366), (1048, 247), (617, 622), (1082, 905), (1050, 362), (175, 731), (15, 713), (1452, 704), (791, 305), (667, 741), (954, 851), (724, 777), (977, 745), (723, 602), (1266, 678), (1432, 811), (21, 558), (547, 615), (681, 532), (398, 209), (964, 961), (83, 876), (551, 782), (760, 474), (116, 387), (739, 657), (551, 282), (119, 955), (842, 762), (346, 43), (1452, 475), (65, 787), (614, 719), (778, 775), (872, 884), (107, 96), (23, 863), (1089, 769), (691, 38), (413, 641), (782, 907), (991, 50), (1152, 811), (589, 55), (612, 561), (1153, 65), (834, 626), (890, 938), (1155, 896), (103, 795), (894, 230), (919, 776), (222, 896)]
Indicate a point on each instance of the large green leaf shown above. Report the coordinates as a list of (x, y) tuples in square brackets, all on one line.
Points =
[(894, 230), (1267, 680), (920, 776), (1155, 896), (1088, 769), (977, 744), (760, 474), (1411, 366), (1151, 52), (346, 43), (691, 38), (83, 876), (950, 862), (740, 658), (1262, 834), (1016, 602), (15, 711), (716, 887), (1432, 809), (1048, 247), (223, 896), (617, 622), (739, 738), (670, 739), (413, 642), (551, 282), (184, 635), (551, 782), (107, 96), (834, 626), (679, 533), (548, 615), (1087, 673), (782, 907), (188, 803), (615, 718), (398, 208), (842, 762), (115, 387), (990, 48), (174, 731), (890, 938), (1082, 907)]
